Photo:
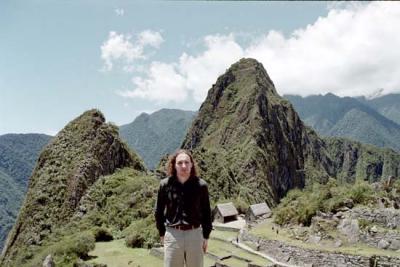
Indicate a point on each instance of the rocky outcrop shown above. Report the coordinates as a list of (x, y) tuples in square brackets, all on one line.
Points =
[(84, 150), (48, 261), (246, 136)]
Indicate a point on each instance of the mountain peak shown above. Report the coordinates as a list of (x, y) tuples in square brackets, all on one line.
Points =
[(239, 135), (249, 69), (68, 166)]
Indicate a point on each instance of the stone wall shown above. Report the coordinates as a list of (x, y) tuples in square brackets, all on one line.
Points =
[(307, 257), (389, 218)]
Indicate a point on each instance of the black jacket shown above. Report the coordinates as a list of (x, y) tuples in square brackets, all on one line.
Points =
[(186, 203)]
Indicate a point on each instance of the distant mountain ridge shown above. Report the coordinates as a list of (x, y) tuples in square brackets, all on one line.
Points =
[(19, 152), (387, 105), (356, 118), (157, 134), (18, 155)]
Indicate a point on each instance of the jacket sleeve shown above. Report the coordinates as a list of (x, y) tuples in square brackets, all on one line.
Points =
[(206, 212), (159, 211)]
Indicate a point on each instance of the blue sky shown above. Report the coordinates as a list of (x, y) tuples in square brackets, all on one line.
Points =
[(60, 58)]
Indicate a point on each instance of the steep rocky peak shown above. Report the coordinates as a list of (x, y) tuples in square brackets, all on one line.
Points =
[(245, 78), (239, 97), (86, 149), (248, 136)]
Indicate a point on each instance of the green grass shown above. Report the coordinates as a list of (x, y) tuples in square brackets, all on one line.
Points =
[(221, 248), (116, 254), (225, 235), (233, 262), (265, 231)]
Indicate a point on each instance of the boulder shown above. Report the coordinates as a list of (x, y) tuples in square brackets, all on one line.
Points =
[(48, 261), (351, 229), (383, 244), (394, 244)]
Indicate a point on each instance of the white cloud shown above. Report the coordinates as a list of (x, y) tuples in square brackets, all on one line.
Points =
[(191, 74), (163, 83), (119, 11), (121, 48), (150, 38), (352, 51), (201, 71)]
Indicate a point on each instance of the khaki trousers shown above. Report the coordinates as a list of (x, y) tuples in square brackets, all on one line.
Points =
[(183, 248)]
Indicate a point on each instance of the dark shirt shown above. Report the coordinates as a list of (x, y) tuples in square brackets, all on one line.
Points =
[(186, 203)]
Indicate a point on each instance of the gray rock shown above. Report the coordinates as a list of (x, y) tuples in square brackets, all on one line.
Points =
[(351, 229), (338, 243), (314, 239), (48, 261), (395, 244), (82, 208), (383, 244), (373, 229)]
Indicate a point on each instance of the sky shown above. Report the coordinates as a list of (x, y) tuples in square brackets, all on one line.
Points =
[(60, 58)]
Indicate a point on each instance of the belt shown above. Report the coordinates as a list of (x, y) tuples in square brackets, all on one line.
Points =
[(185, 227)]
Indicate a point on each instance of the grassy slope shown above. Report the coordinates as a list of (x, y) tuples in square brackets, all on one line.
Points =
[(116, 254), (110, 205)]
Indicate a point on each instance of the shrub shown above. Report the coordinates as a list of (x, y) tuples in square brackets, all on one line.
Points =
[(141, 233), (79, 244), (102, 234), (241, 205), (299, 206), (361, 193), (134, 240)]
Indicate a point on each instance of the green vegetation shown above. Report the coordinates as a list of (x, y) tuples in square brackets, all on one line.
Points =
[(299, 206), (18, 154), (118, 206), (65, 193), (238, 136), (116, 254), (221, 248), (141, 233), (224, 235)]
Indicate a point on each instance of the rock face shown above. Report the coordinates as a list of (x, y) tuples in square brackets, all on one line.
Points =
[(246, 136), (351, 229), (84, 150)]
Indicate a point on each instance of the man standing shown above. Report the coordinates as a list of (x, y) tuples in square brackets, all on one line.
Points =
[(183, 213)]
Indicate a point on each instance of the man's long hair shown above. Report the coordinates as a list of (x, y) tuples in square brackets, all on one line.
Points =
[(171, 170)]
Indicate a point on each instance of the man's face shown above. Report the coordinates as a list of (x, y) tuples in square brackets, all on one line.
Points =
[(183, 165)]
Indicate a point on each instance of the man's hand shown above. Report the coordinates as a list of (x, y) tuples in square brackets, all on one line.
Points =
[(162, 240), (205, 245)]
